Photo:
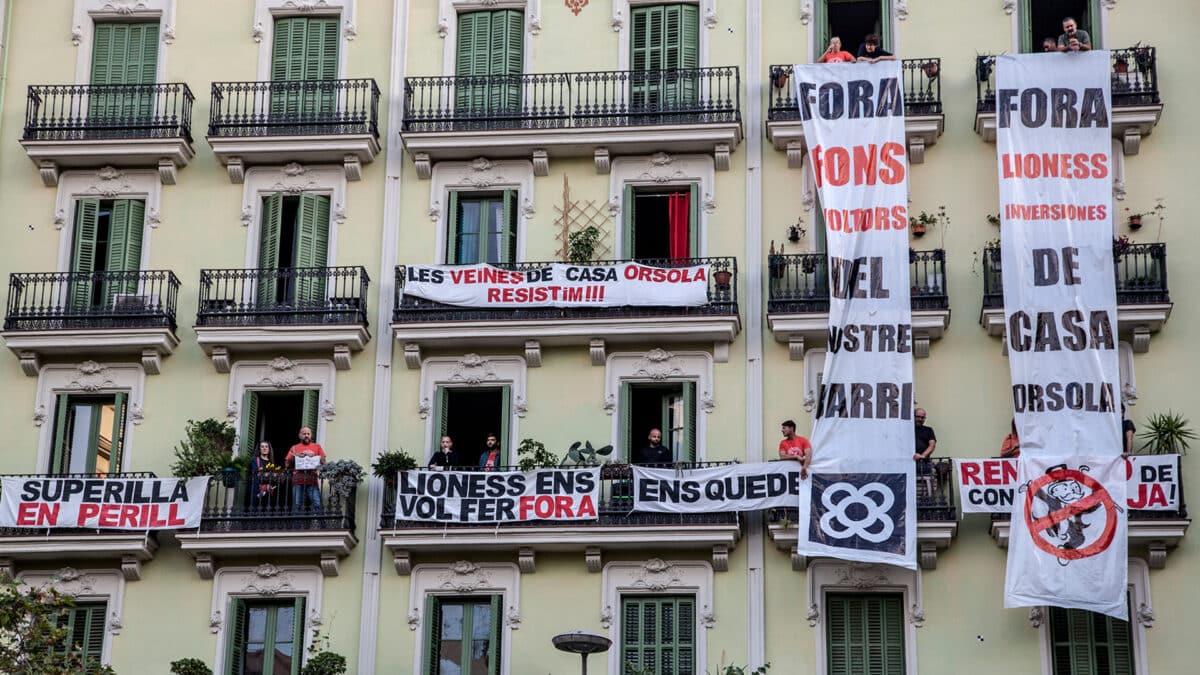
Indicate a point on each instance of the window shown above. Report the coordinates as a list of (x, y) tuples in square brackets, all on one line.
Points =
[(267, 637), (482, 228), (468, 414), (852, 20), (489, 61), (664, 40), (661, 223), (107, 238), (276, 417), (89, 434), (658, 634), (463, 635), (85, 632), (123, 53), (670, 408), (305, 49), (1041, 19), (294, 237), (865, 633), (1089, 643)]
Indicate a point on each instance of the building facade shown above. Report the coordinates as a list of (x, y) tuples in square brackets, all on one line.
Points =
[(211, 210)]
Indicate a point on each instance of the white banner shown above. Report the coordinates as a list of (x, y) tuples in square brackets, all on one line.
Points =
[(735, 487), (861, 503), (102, 503), (561, 285), (498, 496), (1053, 141), (989, 485)]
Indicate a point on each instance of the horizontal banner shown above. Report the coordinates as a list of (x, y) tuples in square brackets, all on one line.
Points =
[(560, 285), (498, 497), (102, 503), (987, 485), (736, 487)]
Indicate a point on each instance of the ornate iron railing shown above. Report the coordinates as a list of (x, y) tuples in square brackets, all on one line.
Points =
[(76, 531), (308, 107), (935, 494), (64, 300), (78, 112), (922, 84), (1134, 78), (585, 99), (615, 507), (286, 295), (722, 297), (1141, 275), (799, 282), (274, 501)]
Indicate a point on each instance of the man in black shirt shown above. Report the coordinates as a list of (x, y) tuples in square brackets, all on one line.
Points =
[(926, 439), (654, 452), (446, 456), (870, 51)]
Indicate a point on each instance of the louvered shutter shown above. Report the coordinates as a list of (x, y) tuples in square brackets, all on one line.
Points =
[(124, 248), (892, 642), (249, 423), (59, 454), (505, 417), (646, 57), (631, 635), (629, 220), (312, 249), (441, 412), (628, 448), (495, 644), (688, 452), (320, 66), (453, 220), (685, 636), (473, 61), (91, 644), (123, 54), (268, 249), (312, 409), (1120, 645), (1089, 643), (87, 215), (694, 220), (885, 24), (837, 634), (287, 66), (1079, 630), (681, 54), (235, 640), (1025, 28), (505, 61), (118, 432), (865, 634), (433, 635), (297, 635), (508, 232)]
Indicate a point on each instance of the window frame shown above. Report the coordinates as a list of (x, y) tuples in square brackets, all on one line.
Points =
[(441, 391), (1019, 25), (87, 585), (658, 648), (628, 227), (465, 579), (90, 378), (448, 11), (673, 577), (435, 605), (889, 33), (507, 199), (65, 416), (864, 630), (655, 171), (485, 176), (263, 582), (686, 392), (267, 11), (239, 613), (89, 12), (622, 13), (472, 370)]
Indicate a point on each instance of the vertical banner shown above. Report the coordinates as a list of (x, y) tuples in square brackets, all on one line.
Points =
[(1068, 543), (860, 503)]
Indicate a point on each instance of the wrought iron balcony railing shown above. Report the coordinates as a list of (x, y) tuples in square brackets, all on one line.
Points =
[(283, 296), (935, 494), (275, 501), (1141, 275), (71, 531), (1134, 78), (615, 507), (799, 283), (561, 100), (308, 107), (922, 84), (72, 300), (81, 112), (722, 297)]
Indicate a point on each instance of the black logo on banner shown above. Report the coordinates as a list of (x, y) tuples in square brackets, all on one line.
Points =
[(862, 511)]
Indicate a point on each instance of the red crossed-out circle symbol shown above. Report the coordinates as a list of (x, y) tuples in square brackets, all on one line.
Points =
[(1099, 496)]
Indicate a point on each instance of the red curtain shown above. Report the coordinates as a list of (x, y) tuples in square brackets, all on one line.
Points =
[(678, 215)]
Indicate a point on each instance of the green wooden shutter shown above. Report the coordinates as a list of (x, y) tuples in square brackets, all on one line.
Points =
[(631, 633), (694, 195), (441, 413), (505, 417), (821, 21), (235, 640), (473, 62), (508, 236), (287, 65), (123, 53), (268, 248), (433, 635), (312, 409), (59, 459), (646, 56), (495, 645), (885, 24), (120, 404), (1089, 643), (865, 633), (453, 218), (1026, 27), (629, 220), (87, 216), (124, 247), (658, 634), (312, 249), (505, 61), (249, 423), (320, 65), (298, 635), (681, 53), (92, 644), (837, 632), (688, 452), (626, 422)]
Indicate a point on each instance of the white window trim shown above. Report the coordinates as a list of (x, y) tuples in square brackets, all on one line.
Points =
[(88, 12), (622, 13), (105, 183), (827, 575), (1117, 156), (1013, 9), (473, 370), (814, 365), (480, 175), (899, 9), (464, 579), (291, 180), (87, 378), (282, 374), (263, 30), (662, 169), (264, 582), (658, 365), (447, 26), (651, 577), (1142, 618), (1129, 393), (87, 586)]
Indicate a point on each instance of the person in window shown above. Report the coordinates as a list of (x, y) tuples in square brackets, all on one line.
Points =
[(1010, 447), (446, 456), (305, 483), (264, 475), (1073, 39), (1127, 430), (490, 459), (926, 439), (795, 447), (870, 51), (835, 54), (1049, 44), (654, 452)]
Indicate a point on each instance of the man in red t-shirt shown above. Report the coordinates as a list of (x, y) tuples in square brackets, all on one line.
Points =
[(304, 481), (795, 447)]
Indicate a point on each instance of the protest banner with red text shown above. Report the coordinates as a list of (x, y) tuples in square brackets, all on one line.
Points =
[(989, 485), (102, 503), (498, 496)]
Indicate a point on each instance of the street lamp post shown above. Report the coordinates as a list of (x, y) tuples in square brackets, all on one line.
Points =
[(581, 643)]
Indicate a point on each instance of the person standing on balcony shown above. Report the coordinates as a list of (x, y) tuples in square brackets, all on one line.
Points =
[(490, 459), (926, 439), (1127, 430), (1010, 448), (264, 473), (795, 447), (654, 452), (1073, 39), (446, 456), (835, 54), (305, 483), (870, 51)]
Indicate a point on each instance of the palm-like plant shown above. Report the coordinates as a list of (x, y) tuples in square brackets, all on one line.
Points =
[(1166, 433)]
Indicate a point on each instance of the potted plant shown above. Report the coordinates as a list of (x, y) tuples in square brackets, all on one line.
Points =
[(779, 76), (342, 476), (1135, 221), (581, 453), (388, 465), (1166, 433), (1144, 56), (190, 667), (207, 450), (796, 232), (723, 278), (321, 660), (809, 261), (1121, 63), (581, 244), (920, 223), (534, 455), (994, 219), (1120, 246)]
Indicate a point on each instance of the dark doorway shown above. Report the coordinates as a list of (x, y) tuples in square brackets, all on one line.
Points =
[(470, 414), (662, 225), (655, 406), (287, 233), (280, 416), (1046, 16), (853, 20)]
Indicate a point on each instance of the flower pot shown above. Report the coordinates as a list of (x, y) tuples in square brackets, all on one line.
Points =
[(809, 265), (723, 278), (229, 477), (779, 78), (1135, 222), (918, 230), (1121, 67)]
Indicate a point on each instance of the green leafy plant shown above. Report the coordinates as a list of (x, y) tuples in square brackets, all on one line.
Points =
[(321, 660), (190, 667), (392, 462), (581, 453), (1166, 433), (31, 637), (993, 218), (732, 669), (207, 450), (343, 476), (581, 244), (534, 455)]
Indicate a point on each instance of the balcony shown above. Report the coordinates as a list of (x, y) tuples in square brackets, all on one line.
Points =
[(79, 126), (71, 313), (311, 122), (798, 301), (296, 309), (255, 517), (418, 323), (924, 120), (618, 527), (1143, 302), (937, 516), (1136, 106), (43, 547), (600, 114)]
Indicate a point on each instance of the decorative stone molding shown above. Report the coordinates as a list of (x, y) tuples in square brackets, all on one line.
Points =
[(282, 373), (658, 365), (592, 559), (653, 576), (104, 183), (533, 353), (402, 561), (89, 585), (806, 11), (412, 355), (596, 351), (623, 8), (661, 169), (291, 179), (603, 161), (263, 30), (264, 581), (447, 25), (466, 578), (1009, 6), (473, 370), (901, 9), (88, 377), (526, 560), (83, 29), (481, 174)]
